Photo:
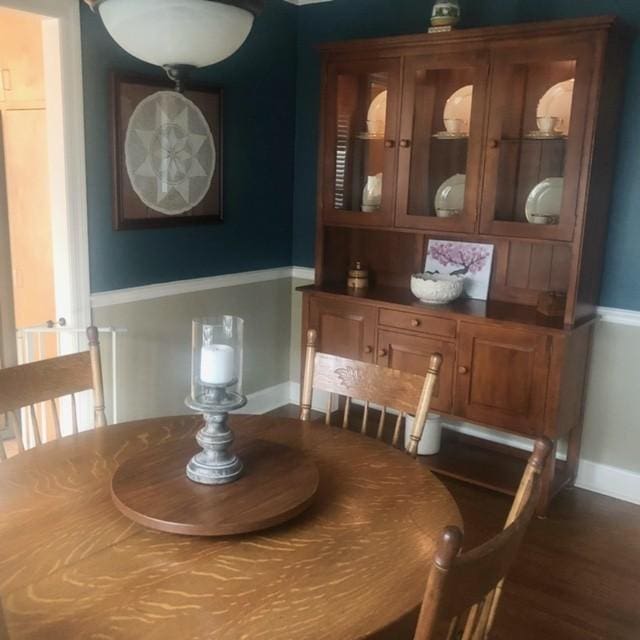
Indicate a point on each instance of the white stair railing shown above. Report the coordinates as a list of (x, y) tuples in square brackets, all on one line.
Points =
[(35, 342)]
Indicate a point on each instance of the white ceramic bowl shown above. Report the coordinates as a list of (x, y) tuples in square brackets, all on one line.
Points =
[(436, 288)]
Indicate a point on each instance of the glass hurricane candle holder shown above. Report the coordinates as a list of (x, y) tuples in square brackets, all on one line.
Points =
[(216, 389)]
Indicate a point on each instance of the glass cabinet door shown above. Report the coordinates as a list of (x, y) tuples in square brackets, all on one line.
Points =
[(534, 143), (441, 141), (360, 155)]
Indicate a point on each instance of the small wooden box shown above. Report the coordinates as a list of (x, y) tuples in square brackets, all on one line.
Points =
[(552, 303)]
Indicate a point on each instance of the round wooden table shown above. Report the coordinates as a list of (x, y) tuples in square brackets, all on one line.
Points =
[(72, 567)]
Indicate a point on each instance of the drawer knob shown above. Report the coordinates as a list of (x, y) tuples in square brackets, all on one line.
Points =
[(493, 143), (389, 144), (382, 353), (368, 349), (415, 322), (463, 371), (405, 144)]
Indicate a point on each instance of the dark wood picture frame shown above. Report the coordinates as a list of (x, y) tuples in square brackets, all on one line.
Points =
[(129, 211)]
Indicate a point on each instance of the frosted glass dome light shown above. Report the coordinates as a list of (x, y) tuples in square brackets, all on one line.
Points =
[(179, 33)]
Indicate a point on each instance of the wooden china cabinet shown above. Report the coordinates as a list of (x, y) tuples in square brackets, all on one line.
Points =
[(382, 176)]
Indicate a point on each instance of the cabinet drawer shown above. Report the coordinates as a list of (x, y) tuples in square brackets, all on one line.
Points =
[(417, 322)]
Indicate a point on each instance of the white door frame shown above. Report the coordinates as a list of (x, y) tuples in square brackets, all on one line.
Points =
[(68, 185)]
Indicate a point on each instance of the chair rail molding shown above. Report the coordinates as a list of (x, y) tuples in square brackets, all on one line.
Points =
[(192, 285), (299, 3), (620, 316)]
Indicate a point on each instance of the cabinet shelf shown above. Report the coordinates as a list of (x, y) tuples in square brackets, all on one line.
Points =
[(483, 463), (368, 137), (435, 136), (530, 139)]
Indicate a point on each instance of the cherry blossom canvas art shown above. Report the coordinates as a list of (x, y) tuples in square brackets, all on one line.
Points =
[(469, 260)]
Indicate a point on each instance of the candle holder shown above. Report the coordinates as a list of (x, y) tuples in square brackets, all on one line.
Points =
[(216, 389)]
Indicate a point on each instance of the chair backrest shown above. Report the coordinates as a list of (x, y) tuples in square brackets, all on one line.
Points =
[(405, 393), (46, 381), (463, 590)]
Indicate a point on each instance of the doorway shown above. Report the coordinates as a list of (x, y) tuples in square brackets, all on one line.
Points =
[(44, 276)]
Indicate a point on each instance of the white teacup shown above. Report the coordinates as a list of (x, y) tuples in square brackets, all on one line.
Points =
[(547, 124), (454, 125)]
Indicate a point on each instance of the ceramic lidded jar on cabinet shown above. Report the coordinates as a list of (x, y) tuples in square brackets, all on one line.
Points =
[(445, 13)]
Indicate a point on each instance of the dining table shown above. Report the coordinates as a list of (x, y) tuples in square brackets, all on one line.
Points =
[(352, 565)]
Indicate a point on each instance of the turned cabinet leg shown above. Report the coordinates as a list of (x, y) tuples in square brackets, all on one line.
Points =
[(546, 483)]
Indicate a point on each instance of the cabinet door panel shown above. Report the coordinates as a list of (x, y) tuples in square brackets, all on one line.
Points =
[(412, 353), (502, 377), (362, 101), (536, 128), (344, 329), (441, 132), (21, 60)]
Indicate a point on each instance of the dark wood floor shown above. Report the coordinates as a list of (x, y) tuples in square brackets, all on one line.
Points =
[(578, 574)]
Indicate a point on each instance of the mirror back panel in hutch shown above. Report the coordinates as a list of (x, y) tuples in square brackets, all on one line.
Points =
[(500, 135)]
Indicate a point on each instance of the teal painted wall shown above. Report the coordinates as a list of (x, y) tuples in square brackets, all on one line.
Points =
[(348, 19), (259, 119)]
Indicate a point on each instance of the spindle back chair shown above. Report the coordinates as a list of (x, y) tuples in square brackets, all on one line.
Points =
[(402, 392), (47, 381), (463, 590)]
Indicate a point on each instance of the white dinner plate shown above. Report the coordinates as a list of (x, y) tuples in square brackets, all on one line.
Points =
[(377, 115), (458, 107), (450, 195), (556, 103), (544, 203)]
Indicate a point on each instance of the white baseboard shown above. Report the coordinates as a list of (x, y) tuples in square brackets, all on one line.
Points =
[(592, 476), (268, 399), (610, 481)]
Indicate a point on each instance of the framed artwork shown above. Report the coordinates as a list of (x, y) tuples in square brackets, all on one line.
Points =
[(167, 154), (468, 259)]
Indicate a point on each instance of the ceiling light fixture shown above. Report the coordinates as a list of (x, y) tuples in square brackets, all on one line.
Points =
[(179, 35)]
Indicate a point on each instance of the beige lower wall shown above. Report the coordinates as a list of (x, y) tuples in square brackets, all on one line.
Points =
[(154, 360), (611, 427), (154, 354)]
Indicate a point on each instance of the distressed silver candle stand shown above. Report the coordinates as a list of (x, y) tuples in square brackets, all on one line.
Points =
[(215, 464)]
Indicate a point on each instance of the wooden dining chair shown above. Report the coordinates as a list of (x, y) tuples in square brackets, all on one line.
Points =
[(46, 381), (463, 590), (402, 392)]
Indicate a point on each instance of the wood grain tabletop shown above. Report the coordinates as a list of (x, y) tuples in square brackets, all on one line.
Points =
[(73, 567)]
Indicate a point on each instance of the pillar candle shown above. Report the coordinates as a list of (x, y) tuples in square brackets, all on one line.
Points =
[(217, 364)]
